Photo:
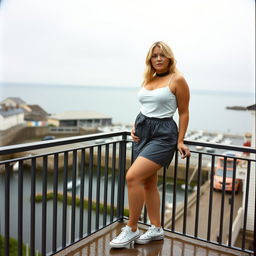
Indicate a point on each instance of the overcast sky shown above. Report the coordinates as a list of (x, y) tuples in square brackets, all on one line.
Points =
[(105, 42)]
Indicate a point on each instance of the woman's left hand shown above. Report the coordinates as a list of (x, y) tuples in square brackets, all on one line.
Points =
[(184, 150)]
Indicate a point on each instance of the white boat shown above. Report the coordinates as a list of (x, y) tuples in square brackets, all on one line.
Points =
[(78, 179), (210, 150), (219, 138), (227, 141), (15, 167), (168, 205), (70, 184), (195, 136), (202, 139), (129, 145), (100, 141), (183, 186)]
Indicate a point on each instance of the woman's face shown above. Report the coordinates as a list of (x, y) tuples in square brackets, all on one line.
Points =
[(159, 61)]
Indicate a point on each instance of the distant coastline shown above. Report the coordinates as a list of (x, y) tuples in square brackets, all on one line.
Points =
[(123, 87), (208, 110), (236, 108)]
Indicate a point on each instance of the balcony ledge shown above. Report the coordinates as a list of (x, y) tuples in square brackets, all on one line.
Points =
[(173, 244)]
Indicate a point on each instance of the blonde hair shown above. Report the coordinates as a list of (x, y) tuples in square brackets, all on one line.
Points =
[(150, 71)]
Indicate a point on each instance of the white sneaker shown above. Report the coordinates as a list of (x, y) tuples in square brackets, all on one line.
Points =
[(153, 233), (125, 237)]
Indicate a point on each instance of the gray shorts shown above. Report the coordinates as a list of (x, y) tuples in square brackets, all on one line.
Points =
[(158, 139)]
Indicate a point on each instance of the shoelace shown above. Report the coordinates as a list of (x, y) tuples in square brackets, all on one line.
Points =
[(150, 231), (124, 233)]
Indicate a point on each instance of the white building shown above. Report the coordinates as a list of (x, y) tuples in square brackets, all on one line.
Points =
[(14, 102), (80, 119), (34, 115), (11, 117)]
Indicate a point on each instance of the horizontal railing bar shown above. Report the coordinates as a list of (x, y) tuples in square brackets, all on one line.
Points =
[(57, 142), (220, 146), (60, 249), (197, 238), (58, 152), (108, 143), (70, 140), (221, 155), (204, 240)]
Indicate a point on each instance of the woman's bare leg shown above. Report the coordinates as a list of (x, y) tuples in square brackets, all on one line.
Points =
[(139, 172), (152, 200)]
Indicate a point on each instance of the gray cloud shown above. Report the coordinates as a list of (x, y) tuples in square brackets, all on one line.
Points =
[(105, 42)]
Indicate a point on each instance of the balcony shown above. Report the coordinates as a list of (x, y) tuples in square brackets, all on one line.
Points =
[(68, 197)]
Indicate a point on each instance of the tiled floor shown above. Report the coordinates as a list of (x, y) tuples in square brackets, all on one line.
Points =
[(173, 245)]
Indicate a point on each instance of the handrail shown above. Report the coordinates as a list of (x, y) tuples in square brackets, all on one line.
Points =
[(221, 146), (75, 139), (57, 142)]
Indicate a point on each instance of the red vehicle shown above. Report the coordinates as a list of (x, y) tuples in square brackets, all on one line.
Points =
[(218, 175)]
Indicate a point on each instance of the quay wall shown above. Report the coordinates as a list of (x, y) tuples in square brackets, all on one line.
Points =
[(170, 172), (21, 133)]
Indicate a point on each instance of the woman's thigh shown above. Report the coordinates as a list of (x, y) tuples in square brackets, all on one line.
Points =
[(142, 170)]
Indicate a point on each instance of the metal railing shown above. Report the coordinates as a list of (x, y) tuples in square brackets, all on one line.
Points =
[(94, 173)]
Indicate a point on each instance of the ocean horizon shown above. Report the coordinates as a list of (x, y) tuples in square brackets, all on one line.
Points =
[(207, 108)]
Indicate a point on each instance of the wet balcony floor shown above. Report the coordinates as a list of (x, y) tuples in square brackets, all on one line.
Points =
[(173, 245)]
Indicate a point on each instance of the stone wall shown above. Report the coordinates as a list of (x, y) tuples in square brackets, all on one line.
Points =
[(18, 134)]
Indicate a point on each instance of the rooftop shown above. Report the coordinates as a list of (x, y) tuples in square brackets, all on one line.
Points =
[(17, 100), (10, 112)]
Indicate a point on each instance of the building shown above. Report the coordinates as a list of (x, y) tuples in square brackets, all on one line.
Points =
[(10, 117), (14, 102), (80, 119), (34, 115)]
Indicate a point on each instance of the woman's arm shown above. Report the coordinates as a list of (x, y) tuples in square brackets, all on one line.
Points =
[(182, 95)]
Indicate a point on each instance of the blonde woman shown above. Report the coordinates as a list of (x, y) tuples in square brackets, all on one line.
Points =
[(156, 138)]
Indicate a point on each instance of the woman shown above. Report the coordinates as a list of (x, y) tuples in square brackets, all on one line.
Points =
[(156, 138)]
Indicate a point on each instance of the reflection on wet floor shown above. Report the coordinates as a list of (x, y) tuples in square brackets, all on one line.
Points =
[(99, 245)]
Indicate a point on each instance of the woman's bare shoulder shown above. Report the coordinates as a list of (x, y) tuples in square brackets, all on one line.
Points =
[(178, 83), (178, 78)]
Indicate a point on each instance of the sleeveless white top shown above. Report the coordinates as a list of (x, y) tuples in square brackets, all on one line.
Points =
[(159, 103)]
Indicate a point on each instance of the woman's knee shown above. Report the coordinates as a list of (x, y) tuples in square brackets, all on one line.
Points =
[(134, 177), (150, 183), (131, 178)]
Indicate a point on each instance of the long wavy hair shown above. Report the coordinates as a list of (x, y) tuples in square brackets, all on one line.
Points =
[(149, 70)]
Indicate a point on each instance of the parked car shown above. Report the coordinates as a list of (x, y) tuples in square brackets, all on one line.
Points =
[(48, 137), (219, 172)]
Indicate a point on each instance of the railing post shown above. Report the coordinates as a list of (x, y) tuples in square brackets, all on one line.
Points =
[(7, 210), (122, 167)]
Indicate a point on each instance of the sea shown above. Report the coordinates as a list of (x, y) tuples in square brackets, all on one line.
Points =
[(207, 108)]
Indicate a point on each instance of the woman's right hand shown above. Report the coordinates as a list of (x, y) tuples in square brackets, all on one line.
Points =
[(134, 137)]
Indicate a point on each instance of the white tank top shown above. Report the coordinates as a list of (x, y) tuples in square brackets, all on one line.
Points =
[(159, 103)]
